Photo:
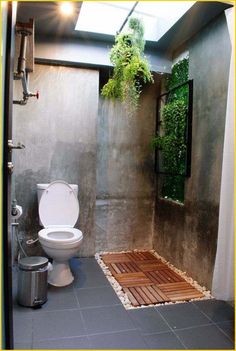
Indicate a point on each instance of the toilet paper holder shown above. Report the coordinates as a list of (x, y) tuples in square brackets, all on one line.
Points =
[(16, 210)]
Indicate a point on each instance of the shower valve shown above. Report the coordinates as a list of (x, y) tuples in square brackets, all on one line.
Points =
[(27, 95)]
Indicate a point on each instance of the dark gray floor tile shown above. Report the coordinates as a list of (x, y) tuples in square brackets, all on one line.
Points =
[(22, 346), (85, 265), (217, 310), (130, 340), (90, 279), (228, 328), (163, 341), (60, 323), (148, 320), (55, 289), (59, 300), (88, 264), (81, 342), (88, 273), (57, 324), (204, 338), (22, 328), (183, 315), (97, 297), (19, 310), (106, 319)]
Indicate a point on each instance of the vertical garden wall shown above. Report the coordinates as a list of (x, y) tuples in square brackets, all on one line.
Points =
[(172, 139)]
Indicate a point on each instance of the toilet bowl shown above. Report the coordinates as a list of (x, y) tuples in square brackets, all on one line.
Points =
[(58, 213)]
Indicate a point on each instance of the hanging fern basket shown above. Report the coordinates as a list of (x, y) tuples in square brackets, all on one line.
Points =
[(131, 68)]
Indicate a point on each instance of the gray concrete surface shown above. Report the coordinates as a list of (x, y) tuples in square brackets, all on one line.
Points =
[(87, 51), (187, 235), (59, 132), (106, 153), (125, 177)]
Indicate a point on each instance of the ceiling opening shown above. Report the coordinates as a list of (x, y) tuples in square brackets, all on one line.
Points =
[(108, 17)]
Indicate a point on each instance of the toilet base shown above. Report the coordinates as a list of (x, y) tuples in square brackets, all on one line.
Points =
[(60, 275)]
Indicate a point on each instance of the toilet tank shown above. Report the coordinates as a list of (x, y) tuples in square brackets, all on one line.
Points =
[(41, 187)]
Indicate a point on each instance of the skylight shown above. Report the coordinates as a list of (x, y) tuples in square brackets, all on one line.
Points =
[(103, 17), (107, 17)]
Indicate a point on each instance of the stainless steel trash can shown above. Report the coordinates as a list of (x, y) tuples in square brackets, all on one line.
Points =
[(32, 281)]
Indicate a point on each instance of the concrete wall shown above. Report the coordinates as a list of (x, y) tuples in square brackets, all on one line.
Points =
[(92, 52), (106, 152), (59, 132), (125, 177), (187, 234)]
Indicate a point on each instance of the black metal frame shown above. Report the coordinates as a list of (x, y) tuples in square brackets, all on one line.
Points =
[(127, 17), (188, 128), (6, 201)]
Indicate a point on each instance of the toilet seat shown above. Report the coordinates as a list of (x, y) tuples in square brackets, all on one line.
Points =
[(61, 234), (60, 237)]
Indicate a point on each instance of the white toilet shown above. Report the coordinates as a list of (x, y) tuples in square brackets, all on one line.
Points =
[(58, 213)]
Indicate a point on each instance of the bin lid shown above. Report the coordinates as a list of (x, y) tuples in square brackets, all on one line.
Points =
[(33, 263)]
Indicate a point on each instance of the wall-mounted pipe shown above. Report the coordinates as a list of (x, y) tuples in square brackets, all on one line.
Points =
[(22, 73), (23, 45)]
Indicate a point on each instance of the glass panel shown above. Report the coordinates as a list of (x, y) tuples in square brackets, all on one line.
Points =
[(159, 17), (108, 17)]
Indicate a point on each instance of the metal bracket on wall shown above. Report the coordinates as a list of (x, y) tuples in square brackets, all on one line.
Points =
[(10, 167), (11, 146)]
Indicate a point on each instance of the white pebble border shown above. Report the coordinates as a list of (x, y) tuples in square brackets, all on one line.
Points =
[(123, 296)]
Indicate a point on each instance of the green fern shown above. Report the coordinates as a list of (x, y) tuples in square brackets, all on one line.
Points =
[(131, 68)]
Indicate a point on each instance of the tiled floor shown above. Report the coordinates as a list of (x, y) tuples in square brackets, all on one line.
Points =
[(89, 315)]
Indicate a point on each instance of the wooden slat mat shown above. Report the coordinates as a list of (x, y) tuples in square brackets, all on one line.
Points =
[(147, 280)]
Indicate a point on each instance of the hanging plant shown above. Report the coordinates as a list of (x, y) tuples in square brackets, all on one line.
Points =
[(131, 68)]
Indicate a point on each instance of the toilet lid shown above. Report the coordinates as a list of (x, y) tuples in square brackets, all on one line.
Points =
[(59, 205)]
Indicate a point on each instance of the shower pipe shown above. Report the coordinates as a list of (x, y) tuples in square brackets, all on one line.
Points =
[(22, 73)]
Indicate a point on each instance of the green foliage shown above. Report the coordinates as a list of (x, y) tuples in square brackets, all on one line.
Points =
[(179, 74), (173, 187), (131, 68), (172, 142)]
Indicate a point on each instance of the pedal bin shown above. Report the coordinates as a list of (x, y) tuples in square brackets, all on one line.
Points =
[(32, 281)]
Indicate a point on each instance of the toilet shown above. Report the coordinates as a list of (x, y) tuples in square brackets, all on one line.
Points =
[(58, 213)]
